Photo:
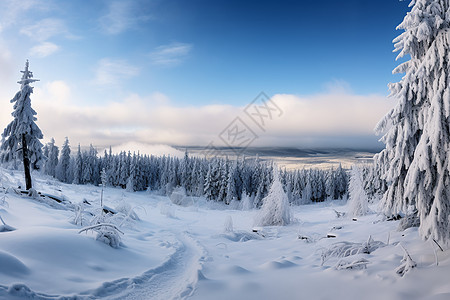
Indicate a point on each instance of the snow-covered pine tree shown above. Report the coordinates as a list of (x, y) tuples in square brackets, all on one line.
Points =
[(275, 210), (415, 162), (231, 184), (297, 190), (185, 169), (63, 167), (358, 202), (222, 180), (330, 184), (307, 193), (78, 167), (208, 188), (341, 182), (21, 137), (52, 158)]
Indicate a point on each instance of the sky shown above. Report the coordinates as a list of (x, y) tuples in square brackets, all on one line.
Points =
[(180, 72)]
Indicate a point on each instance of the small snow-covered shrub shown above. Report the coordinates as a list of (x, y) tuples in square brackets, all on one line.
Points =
[(33, 193), (106, 233), (345, 249), (339, 214), (128, 211), (5, 227), (352, 265), (407, 264), (79, 218), (275, 209), (241, 236), (99, 216), (358, 201)]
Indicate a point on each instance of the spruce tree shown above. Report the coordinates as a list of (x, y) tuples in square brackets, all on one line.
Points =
[(358, 202), (21, 137), (415, 162), (275, 210), (63, 167), (52, 158)]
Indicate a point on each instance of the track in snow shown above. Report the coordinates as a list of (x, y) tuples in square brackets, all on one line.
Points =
[(176, 278)]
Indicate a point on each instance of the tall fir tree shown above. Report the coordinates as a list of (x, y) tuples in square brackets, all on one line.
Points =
[(52, 158), (415, 162), (78, 167), (21, 137), (63, 167), (358, 201)]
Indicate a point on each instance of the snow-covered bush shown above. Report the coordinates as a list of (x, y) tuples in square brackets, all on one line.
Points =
[(358, 200), (344, 249), (357, 264), (127, 211), (407, 264), (275, 209), (5, 227), (79, 212), (106, 233)]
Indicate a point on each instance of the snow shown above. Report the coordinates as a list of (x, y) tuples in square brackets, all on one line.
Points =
[(206, 251)]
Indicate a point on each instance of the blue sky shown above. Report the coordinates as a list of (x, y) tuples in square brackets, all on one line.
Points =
[(178, 54)]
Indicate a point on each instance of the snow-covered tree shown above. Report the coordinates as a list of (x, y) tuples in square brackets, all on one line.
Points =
[(415, 162), (208, 187), (21, 137), (358, 202), (275, 209), (52, 158), (63, 167), (231, 184), (78, 167), (341, 182)]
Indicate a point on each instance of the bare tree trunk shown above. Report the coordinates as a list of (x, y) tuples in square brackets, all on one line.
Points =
[(26, 163)]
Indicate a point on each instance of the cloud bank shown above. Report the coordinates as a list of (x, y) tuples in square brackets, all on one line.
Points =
[(332, 119)]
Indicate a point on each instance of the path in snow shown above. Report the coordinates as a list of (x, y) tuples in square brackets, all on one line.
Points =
[(176, 278)]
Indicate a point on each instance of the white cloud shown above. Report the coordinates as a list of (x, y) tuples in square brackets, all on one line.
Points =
[(46, 29), (328, 119), (11, 11), (111, 71), (122, 16), (44, 49), (171, 54)]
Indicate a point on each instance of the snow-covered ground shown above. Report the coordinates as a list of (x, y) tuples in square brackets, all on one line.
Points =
[(205, 251)]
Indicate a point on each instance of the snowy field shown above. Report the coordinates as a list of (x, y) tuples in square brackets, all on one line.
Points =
[(205, 251)]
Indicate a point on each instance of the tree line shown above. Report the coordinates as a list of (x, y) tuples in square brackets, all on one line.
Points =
[(218, 179)]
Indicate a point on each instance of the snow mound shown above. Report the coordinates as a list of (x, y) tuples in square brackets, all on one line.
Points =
[(10, 265), (275, 265), (234, 270), (240, 236)]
